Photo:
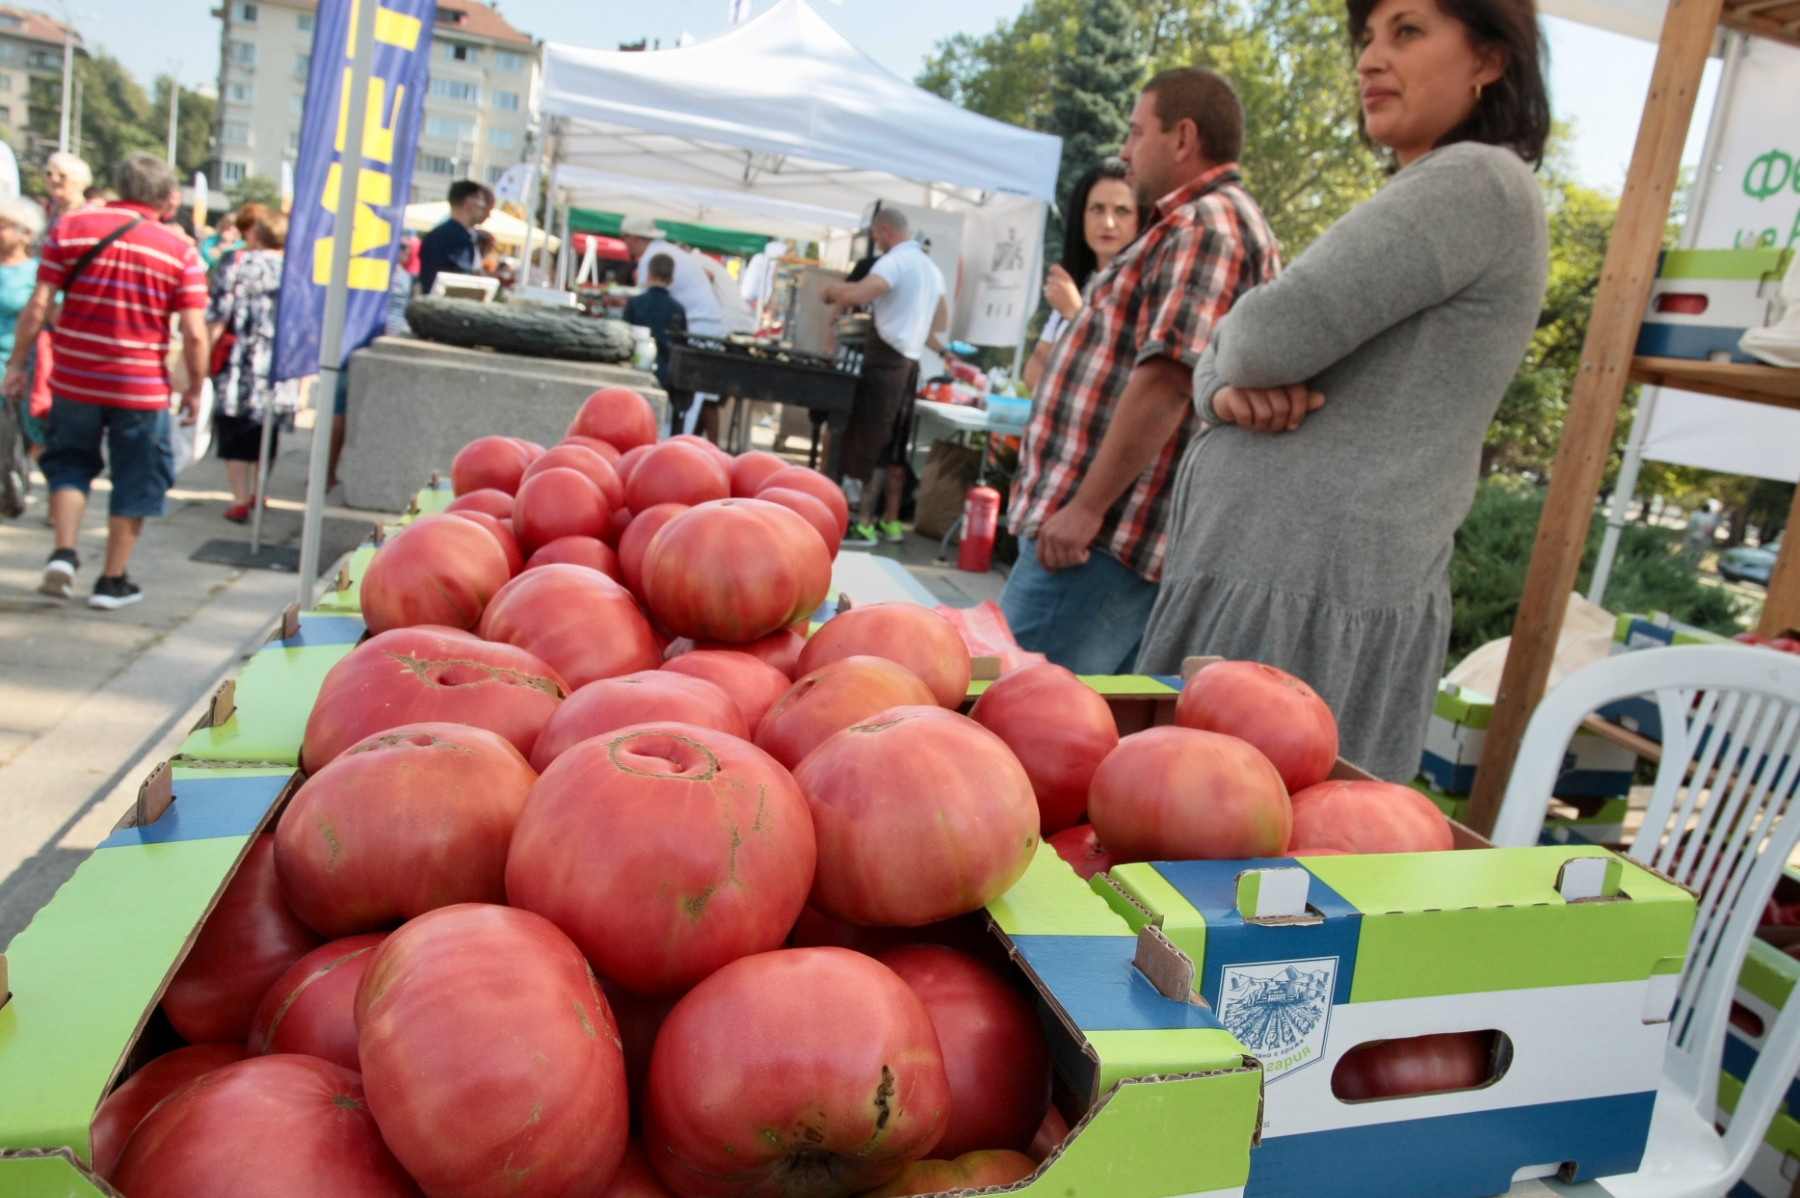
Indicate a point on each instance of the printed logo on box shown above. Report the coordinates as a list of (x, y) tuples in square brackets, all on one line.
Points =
[(1279, 1010)]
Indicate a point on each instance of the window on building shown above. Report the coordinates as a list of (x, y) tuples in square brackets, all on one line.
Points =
[(5, 83), (506, 60), (44, 60), (5, 114), (507, 100), (305, 22), (232, 172), (502, 139), (494, 173), (463, 91), (293, 141), (461, 52), (236, 133), (9, 20), (302, 65), (297, 103), (6, 51), (442, 126), (244, 12), (242, 53), (239, 93), (436, 164)]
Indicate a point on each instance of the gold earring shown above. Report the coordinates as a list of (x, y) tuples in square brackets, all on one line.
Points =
[(1478, 93)]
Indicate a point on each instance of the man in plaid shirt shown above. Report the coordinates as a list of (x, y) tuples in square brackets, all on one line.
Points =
[(1090, 505)]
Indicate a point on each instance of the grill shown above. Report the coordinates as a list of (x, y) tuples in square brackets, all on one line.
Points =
[(771, 373)]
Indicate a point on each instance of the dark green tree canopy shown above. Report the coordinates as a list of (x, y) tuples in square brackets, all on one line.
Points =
[(119, 118)]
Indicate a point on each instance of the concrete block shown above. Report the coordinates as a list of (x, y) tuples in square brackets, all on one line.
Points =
[(414, 403)]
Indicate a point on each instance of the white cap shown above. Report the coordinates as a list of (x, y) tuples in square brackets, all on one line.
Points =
[(639, 226)]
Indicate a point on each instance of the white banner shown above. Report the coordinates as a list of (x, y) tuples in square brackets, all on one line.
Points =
[(1002, 270), (1755, 200)]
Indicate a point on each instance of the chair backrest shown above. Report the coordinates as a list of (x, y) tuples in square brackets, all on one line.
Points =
[(1722, 821)]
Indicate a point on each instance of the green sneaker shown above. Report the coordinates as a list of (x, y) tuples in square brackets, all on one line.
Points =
[(860, 536), (892, 531)]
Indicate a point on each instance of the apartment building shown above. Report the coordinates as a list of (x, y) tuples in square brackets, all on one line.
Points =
[(31, 45), (478, 111)]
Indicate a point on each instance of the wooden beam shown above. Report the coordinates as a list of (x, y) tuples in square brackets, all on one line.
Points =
[(1687, 38), (1781, 610)]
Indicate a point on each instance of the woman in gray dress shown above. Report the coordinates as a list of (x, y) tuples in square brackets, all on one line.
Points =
[(1349, 398)]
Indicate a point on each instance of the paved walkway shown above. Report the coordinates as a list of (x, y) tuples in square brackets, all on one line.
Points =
[(91, 700)]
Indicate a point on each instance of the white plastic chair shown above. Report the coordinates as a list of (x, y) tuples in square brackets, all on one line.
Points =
[(1722, 821)]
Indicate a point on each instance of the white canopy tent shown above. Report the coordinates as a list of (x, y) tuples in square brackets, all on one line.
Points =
[(780, 125)]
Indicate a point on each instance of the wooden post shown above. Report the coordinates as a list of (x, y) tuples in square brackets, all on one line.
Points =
[(1781, 610), (1631, 258)]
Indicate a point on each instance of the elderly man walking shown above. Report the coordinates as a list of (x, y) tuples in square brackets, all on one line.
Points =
[(123, 276), (1090, 504)]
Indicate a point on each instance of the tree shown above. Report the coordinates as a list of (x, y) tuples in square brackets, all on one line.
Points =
[(255, 189), (1006, 74), (118, 118), (1096, 81)]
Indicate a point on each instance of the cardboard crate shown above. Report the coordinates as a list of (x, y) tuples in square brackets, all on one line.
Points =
[(1593, 767), (260, 716), (1594, 821), (1639, 713), (1572, 953), (87, 972), (1168, 1100), (1703, 301), (345, 595), (1138, 701)]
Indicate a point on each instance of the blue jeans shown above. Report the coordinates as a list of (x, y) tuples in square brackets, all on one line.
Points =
[(137, 453), (1089, 618)]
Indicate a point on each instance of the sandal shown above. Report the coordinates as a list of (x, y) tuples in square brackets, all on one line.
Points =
[(238, 513)]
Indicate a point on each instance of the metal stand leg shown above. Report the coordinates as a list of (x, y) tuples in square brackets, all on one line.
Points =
[(257, 496)]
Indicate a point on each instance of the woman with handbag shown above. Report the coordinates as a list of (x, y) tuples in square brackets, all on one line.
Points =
[(241, 319)]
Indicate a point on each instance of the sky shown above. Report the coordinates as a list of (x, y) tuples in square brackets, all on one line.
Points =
[(1598, 79)]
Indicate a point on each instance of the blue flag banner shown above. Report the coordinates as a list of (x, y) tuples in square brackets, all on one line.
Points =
[(390, 136)]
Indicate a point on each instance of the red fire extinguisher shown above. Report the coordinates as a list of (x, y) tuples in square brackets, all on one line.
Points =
[(981, 519)]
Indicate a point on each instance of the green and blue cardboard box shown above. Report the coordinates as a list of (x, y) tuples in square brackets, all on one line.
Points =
[(1571, 955)]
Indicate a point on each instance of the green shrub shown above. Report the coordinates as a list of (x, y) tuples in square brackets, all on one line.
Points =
[(1493, 549)]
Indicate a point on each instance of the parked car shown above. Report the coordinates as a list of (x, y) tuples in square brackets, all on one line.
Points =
[(1750, 565)]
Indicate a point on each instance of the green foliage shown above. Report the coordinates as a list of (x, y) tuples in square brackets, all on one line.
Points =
[(255, 189), (1487, 570), (1006, 74), (1096, 84), (118, 118)]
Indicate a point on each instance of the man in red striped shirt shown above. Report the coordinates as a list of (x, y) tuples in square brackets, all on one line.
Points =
[(123, 276), (1090, 504)]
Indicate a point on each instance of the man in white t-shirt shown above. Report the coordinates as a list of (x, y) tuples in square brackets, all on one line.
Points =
[(905, 292), (693, 290)]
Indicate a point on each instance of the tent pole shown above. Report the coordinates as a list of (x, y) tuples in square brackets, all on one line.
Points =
[(337, 299), (1625, 489), (259, 493), (549, 224), (537, 177)]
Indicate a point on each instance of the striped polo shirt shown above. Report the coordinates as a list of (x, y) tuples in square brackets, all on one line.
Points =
[(111, 342)]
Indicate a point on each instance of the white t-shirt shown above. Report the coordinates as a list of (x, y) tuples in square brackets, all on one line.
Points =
[(915, 285), (692, 288)]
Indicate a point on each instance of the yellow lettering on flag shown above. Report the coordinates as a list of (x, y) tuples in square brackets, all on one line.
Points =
[(368, 230), (391, 29)]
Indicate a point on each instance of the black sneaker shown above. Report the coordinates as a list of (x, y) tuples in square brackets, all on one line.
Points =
[(59, 574), (111, 594)]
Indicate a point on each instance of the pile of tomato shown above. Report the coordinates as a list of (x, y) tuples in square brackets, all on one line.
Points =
[(606, 879)]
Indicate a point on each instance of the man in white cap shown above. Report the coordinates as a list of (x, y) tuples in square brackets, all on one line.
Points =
[(692, 288)]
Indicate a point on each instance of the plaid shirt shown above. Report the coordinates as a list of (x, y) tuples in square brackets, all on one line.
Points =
[(1161, 297)]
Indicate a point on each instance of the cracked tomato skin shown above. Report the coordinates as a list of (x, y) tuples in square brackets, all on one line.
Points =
[(490, 1057), (408, 820), (801, 1073), (430, 674), (665, 851)]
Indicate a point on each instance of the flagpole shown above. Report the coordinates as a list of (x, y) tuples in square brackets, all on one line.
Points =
[(337, 297)]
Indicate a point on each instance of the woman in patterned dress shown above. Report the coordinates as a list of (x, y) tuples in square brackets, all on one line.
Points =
[(244, 307)]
